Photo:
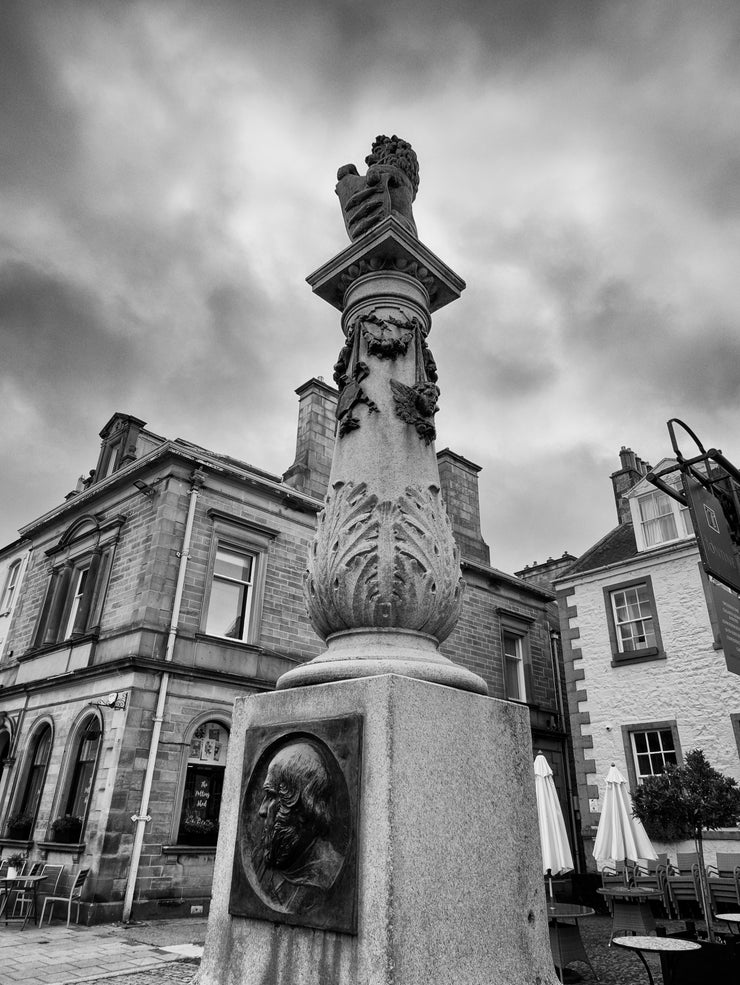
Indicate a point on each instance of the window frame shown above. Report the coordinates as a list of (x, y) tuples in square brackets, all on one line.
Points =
[(519, 626), (69, 771), (680, 514), (12, 583), (65, 617), (629, 753), (224, 721), (241, 536), (619, 656), (19, 803)]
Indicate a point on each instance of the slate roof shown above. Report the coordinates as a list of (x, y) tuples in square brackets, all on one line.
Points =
[(618, 545)]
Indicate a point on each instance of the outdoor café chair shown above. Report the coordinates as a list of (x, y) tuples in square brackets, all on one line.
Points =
[(685, 861), (654, 877), (27, 869), (74, 897), (25, 896), (683, 890)]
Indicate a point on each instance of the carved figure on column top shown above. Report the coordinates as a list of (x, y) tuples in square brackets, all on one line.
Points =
[(388, 188)]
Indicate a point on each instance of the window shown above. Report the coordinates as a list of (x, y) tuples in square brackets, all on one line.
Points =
[(204, 780), (633, 619), (513, 667), (11, 585), (82, 562), (32, 783), (77, 592), (650, 747), (235, 581), (77, 797), (633, 622), (659, 519), (515, 653), (231, 594)]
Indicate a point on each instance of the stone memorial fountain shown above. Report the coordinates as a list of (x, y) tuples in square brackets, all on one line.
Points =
[(379, 824)]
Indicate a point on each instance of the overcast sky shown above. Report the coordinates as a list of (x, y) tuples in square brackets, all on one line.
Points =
[(167, 176)]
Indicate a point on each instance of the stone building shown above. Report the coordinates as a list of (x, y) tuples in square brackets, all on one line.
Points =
[(645, 672), (167, 584)]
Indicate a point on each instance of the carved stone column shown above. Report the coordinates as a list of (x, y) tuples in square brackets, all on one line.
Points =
[(383, 585)]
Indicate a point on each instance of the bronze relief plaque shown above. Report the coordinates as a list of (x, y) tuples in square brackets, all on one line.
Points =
[(296, 848)]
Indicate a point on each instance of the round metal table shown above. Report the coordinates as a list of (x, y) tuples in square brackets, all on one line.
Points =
[(654, 945)]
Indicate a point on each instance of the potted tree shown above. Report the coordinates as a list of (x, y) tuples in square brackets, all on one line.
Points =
[(15, 864), (67, 828), (684, 802), (19, 826)]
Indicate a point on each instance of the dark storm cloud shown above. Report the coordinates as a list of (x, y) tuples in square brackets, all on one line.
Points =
[(55, 331), (39, 129), (167, 183)]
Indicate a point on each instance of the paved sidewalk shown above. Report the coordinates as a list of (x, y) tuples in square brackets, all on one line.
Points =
[(161, 951)]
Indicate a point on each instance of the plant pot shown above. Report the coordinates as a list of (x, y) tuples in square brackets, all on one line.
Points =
[(19, 832), (70, 836), (12, 872), (714, 963)]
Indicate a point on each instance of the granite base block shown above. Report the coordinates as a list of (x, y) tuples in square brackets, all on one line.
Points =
[(450, 887)]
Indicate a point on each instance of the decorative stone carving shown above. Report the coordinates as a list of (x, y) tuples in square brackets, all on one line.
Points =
[(401, 264), (384, 564), (383, 344), (417, 405), (351, 395), (296, 846), (389, 187)]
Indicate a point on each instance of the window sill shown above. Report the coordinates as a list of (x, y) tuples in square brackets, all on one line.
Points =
[(638, 656), (22, 844), (228, 641), (67, 847), (188, 849), (41, 651)]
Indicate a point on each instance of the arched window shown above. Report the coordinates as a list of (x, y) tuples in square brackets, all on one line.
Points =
[(204, 780), (27, 804), (76, 797)]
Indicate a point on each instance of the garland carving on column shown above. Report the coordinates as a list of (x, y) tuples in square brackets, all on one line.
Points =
[(384, 564)]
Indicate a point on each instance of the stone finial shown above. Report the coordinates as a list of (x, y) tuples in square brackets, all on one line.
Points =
[(388, 188)]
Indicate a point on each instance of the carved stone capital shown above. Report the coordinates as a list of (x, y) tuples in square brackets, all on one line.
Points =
[(384, 564)]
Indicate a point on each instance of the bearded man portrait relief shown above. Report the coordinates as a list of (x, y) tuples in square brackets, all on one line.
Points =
[(294, 860), (296, 845)]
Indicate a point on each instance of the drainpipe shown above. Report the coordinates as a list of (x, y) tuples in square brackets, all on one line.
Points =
[(142, 817)]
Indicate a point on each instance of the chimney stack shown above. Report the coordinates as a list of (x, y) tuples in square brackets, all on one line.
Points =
[(633, 469), (317, 404), (459, 481)]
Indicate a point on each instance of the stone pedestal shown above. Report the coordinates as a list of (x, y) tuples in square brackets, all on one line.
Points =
[(449, 884)]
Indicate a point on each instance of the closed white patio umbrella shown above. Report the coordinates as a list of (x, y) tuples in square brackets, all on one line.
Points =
[(620, 835), (556, 854)]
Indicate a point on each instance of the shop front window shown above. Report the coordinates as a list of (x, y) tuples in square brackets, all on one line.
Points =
[(204, 778)]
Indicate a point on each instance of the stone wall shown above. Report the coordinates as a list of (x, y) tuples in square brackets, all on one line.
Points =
[(691, 686)]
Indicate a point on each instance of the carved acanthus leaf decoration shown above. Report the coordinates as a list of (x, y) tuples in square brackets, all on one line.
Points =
[(384, 564)]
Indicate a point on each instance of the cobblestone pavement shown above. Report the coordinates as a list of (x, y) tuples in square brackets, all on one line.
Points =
[(164, 952)]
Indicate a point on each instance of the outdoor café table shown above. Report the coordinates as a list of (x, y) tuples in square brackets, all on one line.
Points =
[(565, 938), (730, 918), (8, 884), (655, 945), (631, 908)]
